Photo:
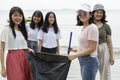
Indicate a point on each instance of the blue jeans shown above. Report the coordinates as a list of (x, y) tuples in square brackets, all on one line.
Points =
[(89, 67), (33, 45)]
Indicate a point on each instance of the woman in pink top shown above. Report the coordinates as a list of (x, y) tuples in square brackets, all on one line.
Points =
[(88, 41)]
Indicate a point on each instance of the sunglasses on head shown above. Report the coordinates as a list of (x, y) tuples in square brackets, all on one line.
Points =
[(82, 13)]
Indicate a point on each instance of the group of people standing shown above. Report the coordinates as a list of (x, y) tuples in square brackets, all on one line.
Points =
[(22, 40)]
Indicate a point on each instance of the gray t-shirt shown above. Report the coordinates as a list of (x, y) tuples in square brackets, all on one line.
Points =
[(103, 32)]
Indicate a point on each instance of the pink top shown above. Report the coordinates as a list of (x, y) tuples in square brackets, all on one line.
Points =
[(88, 33)]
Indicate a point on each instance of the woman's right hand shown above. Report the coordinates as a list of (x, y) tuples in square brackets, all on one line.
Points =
[(30, 50), (3, 72)]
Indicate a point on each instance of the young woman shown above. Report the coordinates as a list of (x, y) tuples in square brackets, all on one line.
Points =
[(14, 39), (105, 50), (88, 41), (49, 35), (32, 29)]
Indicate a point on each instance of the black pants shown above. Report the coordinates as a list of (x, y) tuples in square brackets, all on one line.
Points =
[(49, 50)]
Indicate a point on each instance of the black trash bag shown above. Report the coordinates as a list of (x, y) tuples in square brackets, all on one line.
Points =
[(51, 66)]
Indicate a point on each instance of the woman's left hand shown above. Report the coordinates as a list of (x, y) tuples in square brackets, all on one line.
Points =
[(72, 56), (111, 61)]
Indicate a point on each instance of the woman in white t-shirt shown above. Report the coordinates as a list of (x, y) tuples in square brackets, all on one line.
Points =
[(88, 42), (49, 35), (32, 30), (14, 39)]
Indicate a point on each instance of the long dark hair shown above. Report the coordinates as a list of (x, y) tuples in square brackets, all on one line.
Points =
[(80, 23), (39, 14), (103, 19), (46, 23), (21, 26)]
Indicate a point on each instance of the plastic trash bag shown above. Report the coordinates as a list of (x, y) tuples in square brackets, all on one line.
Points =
[(50, 66)]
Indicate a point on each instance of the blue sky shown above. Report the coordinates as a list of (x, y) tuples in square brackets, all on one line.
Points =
[(56, 4)]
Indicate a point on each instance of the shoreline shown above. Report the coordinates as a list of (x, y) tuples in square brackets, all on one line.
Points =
[(115, 49)]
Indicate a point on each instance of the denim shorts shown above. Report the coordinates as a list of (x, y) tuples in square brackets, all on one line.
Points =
[(89, 67)]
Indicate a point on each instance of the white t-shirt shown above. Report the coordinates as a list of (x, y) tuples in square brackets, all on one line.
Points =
[(12, 43), (32, 33), (49, 39), (88, 33)]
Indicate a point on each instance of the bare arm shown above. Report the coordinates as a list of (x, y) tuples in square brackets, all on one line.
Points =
[(73, 49), (88, 51), (3, 70), (109, 43), (58, 47), (40, 43)]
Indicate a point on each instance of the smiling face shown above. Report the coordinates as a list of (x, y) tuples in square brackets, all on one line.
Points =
[(17, 18), (98, 15), (36, 19), (51, 19)]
